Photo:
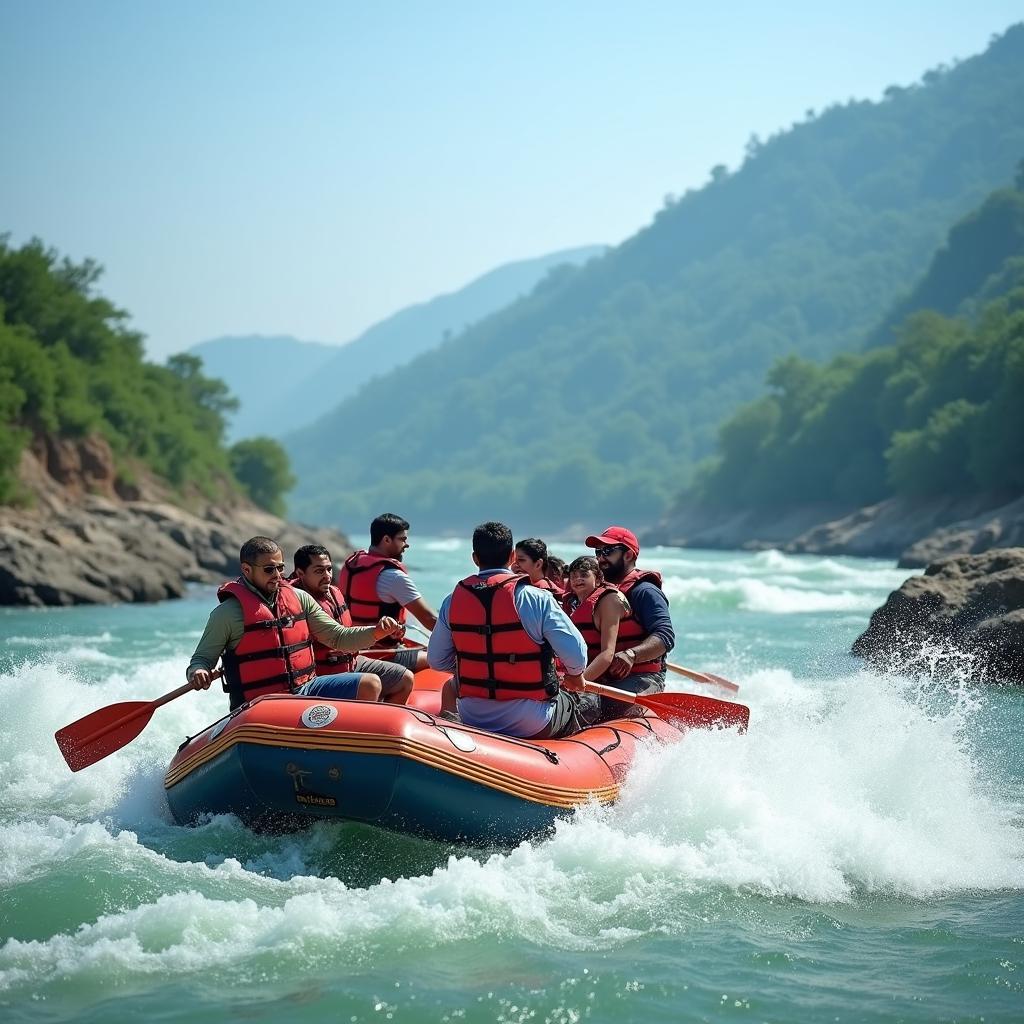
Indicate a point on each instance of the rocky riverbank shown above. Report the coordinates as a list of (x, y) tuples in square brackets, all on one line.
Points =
[(84, 538), (915, 532), (965, 613)]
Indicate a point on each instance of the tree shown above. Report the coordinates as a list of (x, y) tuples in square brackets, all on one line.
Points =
[(261, 466)]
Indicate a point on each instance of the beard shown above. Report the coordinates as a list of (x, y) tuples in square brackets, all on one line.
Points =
[(614, 573)]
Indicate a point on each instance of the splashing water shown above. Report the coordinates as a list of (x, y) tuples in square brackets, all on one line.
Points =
[(860, 817)]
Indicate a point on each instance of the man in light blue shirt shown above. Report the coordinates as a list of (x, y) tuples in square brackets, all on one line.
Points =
[(544, 623)]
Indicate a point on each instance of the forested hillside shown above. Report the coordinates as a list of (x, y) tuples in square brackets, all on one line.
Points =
[(71, 369), (594, 396), (940, 413)]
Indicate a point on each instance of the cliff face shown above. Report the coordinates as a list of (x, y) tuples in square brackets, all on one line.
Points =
[(83, 538)]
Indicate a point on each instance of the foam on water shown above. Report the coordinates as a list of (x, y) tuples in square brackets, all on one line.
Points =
[(842, 791), (49, 641), (849, 789), (758, 596), (442, 544)]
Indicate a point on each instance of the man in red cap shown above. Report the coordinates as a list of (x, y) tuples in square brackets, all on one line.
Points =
[(646, 634)]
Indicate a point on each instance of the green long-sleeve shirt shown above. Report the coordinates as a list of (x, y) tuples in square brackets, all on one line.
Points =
[(224, 630)]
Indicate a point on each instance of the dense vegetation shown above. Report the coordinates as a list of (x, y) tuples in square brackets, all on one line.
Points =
[(938, 413), (590, 398), (70, 367), (261, 466)]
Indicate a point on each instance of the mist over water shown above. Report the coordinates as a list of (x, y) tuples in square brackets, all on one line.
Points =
[(863, 821)]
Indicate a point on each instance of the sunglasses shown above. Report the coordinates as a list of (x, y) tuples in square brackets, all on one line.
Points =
[(272, 568), (609, 549)]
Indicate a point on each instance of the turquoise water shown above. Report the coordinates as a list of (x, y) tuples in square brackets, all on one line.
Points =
[(857, 856)]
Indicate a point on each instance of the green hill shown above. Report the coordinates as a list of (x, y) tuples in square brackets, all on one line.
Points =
[(592, 397), (977, 263), (71, 371), (939, 413), (70, 368)]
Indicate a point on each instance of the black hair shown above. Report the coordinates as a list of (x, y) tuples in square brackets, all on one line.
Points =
[(386, 525), (492, 545), (555, 568), (535, 549), (305, 555), (586, 563), (256, 546)]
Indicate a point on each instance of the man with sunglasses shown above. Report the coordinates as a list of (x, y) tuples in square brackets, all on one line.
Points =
[(263, 630), (646, 635)]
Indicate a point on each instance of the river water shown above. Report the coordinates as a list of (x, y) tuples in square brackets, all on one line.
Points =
[(858, 855)]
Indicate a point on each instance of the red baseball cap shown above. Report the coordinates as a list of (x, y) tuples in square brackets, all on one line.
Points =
[(616, 535)]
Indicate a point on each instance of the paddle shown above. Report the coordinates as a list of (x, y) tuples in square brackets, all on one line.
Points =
[(99, 734), (689, 709), (374, 652), (708, 678)]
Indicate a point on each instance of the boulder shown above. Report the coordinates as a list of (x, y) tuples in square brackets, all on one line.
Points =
[(965, 610)]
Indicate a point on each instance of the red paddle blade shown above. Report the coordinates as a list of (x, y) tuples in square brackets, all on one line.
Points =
[(92, 738), (697, 712)]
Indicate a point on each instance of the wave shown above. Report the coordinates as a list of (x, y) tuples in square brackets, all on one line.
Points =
[(755, 595), (843, 791), (443, 544), (62, 639)]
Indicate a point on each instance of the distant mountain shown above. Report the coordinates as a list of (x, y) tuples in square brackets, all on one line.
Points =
[(591, 398), (315, 369), (243, 362)]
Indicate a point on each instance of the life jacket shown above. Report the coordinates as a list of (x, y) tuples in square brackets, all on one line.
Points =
[(557, 592), (275, 654), (582, 617), (495, 657), (328, 660), (357, 582), (630, 630)]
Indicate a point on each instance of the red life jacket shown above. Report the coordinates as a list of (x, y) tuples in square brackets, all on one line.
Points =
[(328, 660), (630, 631), (357, 581), (583, 619), (496, 658), (275, 654), (557, 592)]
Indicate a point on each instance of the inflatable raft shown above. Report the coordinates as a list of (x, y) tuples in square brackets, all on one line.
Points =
[(282, 762)]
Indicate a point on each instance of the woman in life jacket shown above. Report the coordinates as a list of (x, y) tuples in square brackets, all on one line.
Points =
[(596, 609), (531, 559)]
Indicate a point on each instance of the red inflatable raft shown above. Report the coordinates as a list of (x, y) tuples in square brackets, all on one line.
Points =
[(283, 761)]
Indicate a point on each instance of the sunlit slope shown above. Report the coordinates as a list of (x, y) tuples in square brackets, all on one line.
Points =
[(591, 397)]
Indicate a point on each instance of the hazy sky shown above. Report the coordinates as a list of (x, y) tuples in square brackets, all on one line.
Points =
[(309, 168)]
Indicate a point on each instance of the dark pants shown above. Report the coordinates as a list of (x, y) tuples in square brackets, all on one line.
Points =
[(640, 684), (573, 712)]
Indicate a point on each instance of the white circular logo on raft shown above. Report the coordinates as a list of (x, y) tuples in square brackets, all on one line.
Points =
[(318, 716)]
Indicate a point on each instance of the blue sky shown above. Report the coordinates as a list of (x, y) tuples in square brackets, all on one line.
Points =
[(309, 168)]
